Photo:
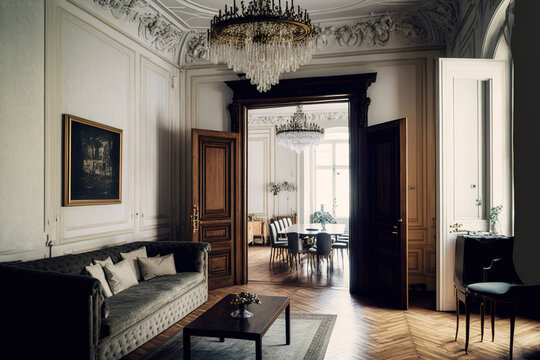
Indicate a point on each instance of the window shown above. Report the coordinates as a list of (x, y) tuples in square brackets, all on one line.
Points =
[(332, 173)]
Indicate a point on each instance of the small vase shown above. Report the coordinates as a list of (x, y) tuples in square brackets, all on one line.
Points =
[(241, 313), (323, 225), (496, 227)]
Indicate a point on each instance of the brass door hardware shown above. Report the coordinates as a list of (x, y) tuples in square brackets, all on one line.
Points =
[(195, 218)]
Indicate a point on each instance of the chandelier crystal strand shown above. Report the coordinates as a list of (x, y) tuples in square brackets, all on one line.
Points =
[(262, 40), (298, 134)]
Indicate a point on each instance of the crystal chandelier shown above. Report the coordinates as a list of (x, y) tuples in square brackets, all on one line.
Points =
[(261, 40), (298, 134)]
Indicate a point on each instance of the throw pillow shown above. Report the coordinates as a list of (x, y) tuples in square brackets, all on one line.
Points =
[(103, 262), (132, 258), (120, 275), (96, 271), (157, 266)]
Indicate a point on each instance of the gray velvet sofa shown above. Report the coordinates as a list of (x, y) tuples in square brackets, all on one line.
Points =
[(52, 310)]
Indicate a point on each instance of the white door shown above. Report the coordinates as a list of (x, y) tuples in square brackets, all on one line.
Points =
[(474, 157)]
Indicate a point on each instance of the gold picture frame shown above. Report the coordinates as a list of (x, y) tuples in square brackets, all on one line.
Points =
[(92, 163)]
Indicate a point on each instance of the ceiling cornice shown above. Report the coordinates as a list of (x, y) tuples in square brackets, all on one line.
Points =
[(154, 27), (431, 23)]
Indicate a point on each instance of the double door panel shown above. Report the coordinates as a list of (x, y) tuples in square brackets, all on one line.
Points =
[(215, 201)]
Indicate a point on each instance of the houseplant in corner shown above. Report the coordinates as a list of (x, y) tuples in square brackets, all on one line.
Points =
[(242, 299)]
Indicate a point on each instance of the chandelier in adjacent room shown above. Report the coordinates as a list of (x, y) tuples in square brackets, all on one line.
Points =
[(298, 134), (262, 40)]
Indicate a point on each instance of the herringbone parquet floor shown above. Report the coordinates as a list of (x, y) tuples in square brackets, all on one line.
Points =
[(364, 330)]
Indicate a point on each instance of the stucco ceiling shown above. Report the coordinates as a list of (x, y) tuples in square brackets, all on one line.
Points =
[(196, 14)]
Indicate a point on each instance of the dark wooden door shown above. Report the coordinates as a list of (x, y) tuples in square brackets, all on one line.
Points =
[(215, 201), (385, 174)]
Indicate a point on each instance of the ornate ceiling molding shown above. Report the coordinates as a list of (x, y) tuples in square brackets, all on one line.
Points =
[(271, 120), (156, 30), (375, 31), (196, 49), (432, 22)]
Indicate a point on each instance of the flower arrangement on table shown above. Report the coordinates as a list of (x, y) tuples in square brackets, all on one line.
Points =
[(494, 219), (240, 301), (323, 217)]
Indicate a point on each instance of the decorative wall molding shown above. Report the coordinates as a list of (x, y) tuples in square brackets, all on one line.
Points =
[(196, 51), (374, 31), (157, 31), (311, 116), (432, 22)]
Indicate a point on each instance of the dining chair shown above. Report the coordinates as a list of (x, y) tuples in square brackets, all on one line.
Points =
[(295, 249), (282, 224), (279, 228), (278, 246), (342, 242), (289, 222), (511, 293), (341, 245), (322, 249), (472, 255)]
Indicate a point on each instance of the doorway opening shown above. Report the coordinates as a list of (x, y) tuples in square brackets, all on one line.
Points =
[(288, 192)]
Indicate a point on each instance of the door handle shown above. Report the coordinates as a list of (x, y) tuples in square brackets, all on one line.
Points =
[(195, 218), (395, 232)]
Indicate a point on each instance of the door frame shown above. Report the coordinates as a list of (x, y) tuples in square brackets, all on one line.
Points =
[(351, 88)]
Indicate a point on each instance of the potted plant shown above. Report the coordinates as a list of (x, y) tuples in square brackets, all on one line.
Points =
[(494, 219), (240, 301)]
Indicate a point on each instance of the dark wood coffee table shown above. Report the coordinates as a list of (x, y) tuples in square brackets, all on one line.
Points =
[(217, 322)]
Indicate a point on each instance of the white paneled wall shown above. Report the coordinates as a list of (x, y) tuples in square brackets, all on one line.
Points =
[(95, 72), (261, 170), (22, 195), (269, 162)]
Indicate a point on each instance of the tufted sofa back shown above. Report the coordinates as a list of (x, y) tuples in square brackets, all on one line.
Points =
[(187, 257)]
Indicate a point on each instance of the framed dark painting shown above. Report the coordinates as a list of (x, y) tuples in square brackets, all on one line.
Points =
[(92, 163)]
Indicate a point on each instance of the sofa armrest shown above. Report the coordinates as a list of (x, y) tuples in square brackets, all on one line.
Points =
[(60, 313)]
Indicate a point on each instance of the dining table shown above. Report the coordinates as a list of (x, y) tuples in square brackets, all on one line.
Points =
[(314, 229)]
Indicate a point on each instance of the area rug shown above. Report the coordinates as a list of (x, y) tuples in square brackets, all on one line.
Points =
[(310, 334)]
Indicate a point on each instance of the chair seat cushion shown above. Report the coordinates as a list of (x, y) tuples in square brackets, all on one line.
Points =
[(136, 303), (490, 288), (339, 245)]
